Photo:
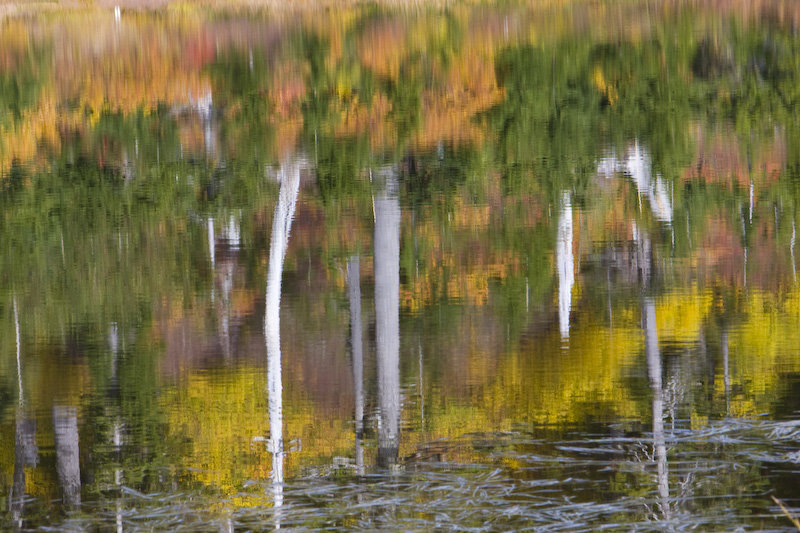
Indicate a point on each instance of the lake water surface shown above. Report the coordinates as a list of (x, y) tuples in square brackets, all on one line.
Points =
[(473, 268)]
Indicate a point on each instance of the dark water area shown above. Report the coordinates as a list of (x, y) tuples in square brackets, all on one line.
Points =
[(474, 269)]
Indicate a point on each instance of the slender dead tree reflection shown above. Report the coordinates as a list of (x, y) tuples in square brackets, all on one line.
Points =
[(17, 496), (289, 179), (654, 367), (791, 251), (19, 352), (565, 262), (25, 450), (65, 425), (726, 371), (25, 454), (356, 335), (644, 256), (211, 247), (387, 314)]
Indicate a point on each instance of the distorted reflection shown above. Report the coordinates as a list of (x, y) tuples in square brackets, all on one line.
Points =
[(387, 312), (357, 347), (65, 427), (726, 371), (643, 258), (654, 371), (226, 251), (212, 241), (204, 107), (791, 251), (113, 341), (26, 453), (289, 180), (638, 166), (565, 263), (133, 162)]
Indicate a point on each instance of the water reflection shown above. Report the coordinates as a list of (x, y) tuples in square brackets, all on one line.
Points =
[(357, 350), (565, 261), (65, 427), (499, 236), (25, 455), (654, 371), (387, 309), (289, 180), (25, 449), (638, 165)]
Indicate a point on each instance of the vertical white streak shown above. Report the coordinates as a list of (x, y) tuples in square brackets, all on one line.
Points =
[(289, 179), (744, 273), (791, 250), (17, 493), (356, 336), (565, 263), (117, 441), (654, 371), (421, 390), (726, 371), (637, 165), (387, 315), (19, 360), (527, 295), (211, 241)]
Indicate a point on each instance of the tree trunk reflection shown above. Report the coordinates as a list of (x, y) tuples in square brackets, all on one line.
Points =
[(356, 335), (65, 425), (289, 179), (565, 261), (387, 316), (654, 372)]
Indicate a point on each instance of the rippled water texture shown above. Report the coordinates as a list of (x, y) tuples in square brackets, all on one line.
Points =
[(475, 269)]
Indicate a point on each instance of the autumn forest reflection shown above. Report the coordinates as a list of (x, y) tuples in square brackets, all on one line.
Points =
[(476, 267)]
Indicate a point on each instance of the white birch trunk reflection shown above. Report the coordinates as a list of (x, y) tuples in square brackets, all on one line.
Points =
[(19, 353), (387, 316), (116, 436), (25, 450), (565, 262), (65, 426), (791, 251), (726, 371), (211, 242), (117, 442), (356, 335), (17, 496), (640, 169), (654, 372), (25, 454), (638, 166), (289, 179), (644, 255)]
